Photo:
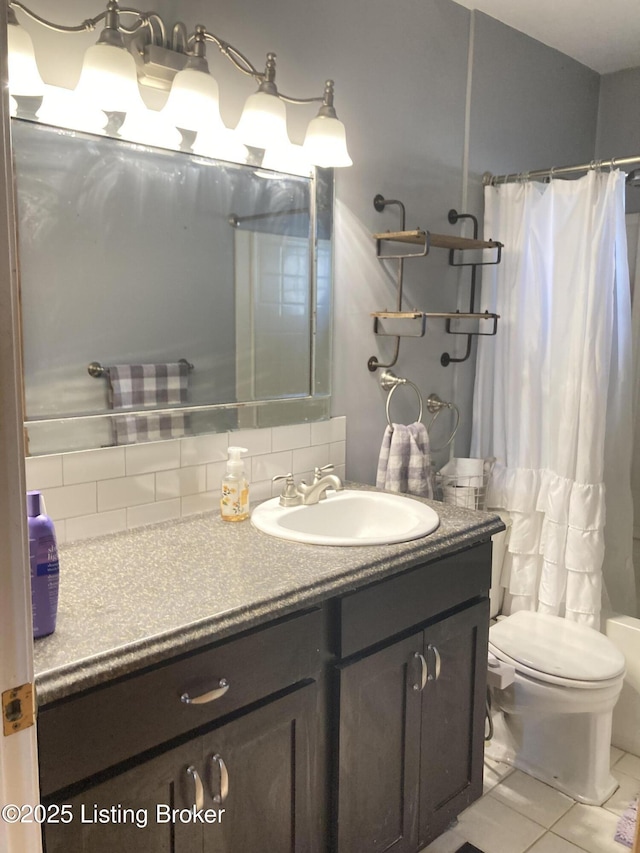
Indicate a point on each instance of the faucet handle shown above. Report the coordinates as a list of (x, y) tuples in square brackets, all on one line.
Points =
[(289, 496), (319, 472)]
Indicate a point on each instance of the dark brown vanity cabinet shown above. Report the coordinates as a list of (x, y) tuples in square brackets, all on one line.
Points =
[(410, 740), (351, 727), (252, 781), (248, 758)]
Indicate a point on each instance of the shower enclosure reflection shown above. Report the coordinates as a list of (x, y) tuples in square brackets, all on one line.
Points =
[(133, 255)]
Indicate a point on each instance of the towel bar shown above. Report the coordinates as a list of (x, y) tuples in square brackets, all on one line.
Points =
[(96, 370)]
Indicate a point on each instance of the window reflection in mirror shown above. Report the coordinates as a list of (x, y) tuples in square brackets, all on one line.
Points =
[(131, 255)]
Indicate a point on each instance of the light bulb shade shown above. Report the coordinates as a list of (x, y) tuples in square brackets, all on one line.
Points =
[(108, 79), (290, 159), (65, 108), (24, 77), (194, 102), (223, 145), (150, 127), (325, 143), (263, 123)]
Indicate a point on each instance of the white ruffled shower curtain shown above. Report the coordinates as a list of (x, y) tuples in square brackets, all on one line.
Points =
[(552, 400)]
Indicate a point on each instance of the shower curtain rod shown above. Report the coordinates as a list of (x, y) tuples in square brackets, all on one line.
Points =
[(616, 162)]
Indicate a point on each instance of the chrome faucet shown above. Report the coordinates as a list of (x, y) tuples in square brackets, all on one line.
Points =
[(293, 495), (312, 494)]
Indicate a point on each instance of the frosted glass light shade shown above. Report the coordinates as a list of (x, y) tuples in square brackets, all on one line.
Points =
[(263, 123), (24, 77), (325, 143), (65, 108), (108, 79), (223, 145), (194, 102), (150, 127)]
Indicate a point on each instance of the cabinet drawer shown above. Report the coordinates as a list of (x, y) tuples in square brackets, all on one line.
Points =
[(389, 607), (85, 735)]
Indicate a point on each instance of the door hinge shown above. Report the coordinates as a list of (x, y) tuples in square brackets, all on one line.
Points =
[(18, 709)]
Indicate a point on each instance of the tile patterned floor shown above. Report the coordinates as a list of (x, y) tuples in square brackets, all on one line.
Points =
[(518, 814)]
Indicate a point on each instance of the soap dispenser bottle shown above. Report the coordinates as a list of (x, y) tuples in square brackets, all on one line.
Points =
[(45, 569), (234, 501)]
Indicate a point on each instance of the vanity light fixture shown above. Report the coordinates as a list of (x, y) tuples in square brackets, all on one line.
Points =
[(24, 77), (144, 51)]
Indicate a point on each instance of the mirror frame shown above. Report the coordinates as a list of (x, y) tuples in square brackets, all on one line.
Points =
[(314, 406)]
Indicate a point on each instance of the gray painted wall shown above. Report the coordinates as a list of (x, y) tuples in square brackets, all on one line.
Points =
[(401, 88), (619, 122)]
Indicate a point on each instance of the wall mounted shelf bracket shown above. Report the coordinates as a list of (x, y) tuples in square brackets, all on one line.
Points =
[(425, 241)]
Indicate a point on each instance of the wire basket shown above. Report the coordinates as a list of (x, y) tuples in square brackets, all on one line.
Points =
[(464, 482)]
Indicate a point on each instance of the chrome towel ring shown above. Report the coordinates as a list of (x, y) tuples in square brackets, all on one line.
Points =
[(389, 382)]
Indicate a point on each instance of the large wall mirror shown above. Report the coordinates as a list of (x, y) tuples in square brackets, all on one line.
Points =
[(131, 255)]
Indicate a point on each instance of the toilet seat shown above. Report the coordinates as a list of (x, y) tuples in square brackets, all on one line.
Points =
[(556, 651)]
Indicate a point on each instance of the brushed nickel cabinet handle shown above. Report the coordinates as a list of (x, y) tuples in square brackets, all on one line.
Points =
[(211, 696), (423, 671), (199, 789), (224, 779), (436, 654)]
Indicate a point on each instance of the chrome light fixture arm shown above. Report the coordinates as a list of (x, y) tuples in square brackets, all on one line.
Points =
[(86, 26), (110, 15)]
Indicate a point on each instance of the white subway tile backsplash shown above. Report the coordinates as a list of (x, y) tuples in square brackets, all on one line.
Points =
[(256, 441), (88, 465), (217, 470), (201, 449), (152, 456), (95, 492), (180, 482), (271, 465), (308, 458), (126, 491), (261, 491), (338, 428), (205, 502), (152, 513), (97, 524), (321, 432), (61, 531), (70, 501), (338, 452), (290, 437), (43, 472)]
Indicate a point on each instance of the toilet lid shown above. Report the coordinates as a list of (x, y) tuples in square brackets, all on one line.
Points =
[(554, 646)]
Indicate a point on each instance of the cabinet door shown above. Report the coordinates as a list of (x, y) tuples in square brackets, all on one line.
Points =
[(130, 811), (453, 709), (262, 769), (379, 750)]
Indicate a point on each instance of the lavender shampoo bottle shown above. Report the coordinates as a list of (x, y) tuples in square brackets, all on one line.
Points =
[(45, 569)]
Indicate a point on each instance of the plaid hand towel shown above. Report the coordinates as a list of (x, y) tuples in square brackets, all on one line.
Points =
[(134, 386), (405, 460)]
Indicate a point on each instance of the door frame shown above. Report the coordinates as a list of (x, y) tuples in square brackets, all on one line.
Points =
[(18, 752)]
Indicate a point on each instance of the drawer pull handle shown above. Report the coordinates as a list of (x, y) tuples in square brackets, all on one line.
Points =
[(211, 696), (224, 780), (423, 672), (436, 655), (199, 789)]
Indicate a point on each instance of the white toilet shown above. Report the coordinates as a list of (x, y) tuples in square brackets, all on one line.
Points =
[(554, 719)]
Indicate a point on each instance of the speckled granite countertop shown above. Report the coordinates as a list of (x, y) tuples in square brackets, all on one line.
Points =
[(132, 599)]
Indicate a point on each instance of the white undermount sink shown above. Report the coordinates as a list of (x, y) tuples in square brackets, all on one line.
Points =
[(348, 517)]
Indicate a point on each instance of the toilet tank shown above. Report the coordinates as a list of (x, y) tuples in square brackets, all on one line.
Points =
[(499, 550)]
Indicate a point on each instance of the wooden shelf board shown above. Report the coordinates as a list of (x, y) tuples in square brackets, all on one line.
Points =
[(416, 237), (439, 241), (414, 315)]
